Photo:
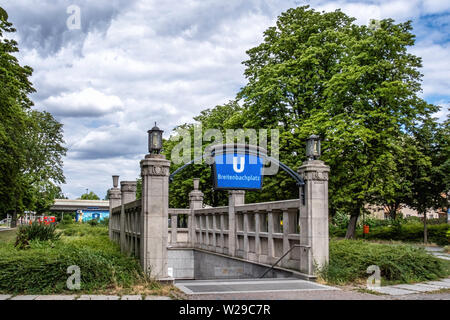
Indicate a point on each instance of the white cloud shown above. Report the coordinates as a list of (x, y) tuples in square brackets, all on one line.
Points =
[(165, 61), (85, 103), (444, 111), (436, 67)]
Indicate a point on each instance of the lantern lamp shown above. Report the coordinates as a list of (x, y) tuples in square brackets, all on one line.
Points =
[(155, 140), (313, 147)]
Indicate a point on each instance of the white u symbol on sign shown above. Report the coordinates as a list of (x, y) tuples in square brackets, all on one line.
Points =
[(241, 165)]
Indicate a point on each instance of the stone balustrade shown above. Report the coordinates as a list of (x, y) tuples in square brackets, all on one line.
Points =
[(114, 224), (259, 232), (132, 227), (262, 232), (178, 235), (178, 228)]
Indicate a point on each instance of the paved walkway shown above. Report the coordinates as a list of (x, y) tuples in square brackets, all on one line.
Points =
[(406, 289), (438, 252), (248, 286), (273, 289), (82, 297)]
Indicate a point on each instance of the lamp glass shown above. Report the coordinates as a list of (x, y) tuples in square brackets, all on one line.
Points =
[(313, 147), (155, 140)]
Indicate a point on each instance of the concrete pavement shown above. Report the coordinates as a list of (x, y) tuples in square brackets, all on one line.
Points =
[(81, 297)]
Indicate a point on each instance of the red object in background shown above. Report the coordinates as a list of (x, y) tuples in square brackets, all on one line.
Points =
[(365, 229), (46, 220)]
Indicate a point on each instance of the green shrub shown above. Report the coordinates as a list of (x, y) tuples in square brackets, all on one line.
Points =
[(374, 222), (436, 221), (43, 268), (104, 222), (81, 230), (401, 231), (340, 220), (411, 232), (413, 219), (67, 219), (35, 231), (93, 222), (335, 231), (349, 260)]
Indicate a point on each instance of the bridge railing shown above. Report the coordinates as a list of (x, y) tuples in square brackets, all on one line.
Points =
[(260, 232), (266, 231), (178, 235), (114, 224), (211, 229), (178, 227), (132, 226)]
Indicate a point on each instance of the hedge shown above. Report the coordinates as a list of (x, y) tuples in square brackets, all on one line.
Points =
[(410, 232), (42, 269), (349, 260)]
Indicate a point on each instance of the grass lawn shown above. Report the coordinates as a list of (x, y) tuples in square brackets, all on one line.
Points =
[(7, 235), (41, 268)]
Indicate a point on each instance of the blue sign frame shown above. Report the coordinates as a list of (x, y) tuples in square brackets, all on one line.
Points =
[(237, 171)]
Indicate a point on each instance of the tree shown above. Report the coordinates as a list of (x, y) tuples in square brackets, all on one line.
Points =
[(430, 171), (31, 143), (221, 117), (355, 86), (14, 88), (89, 196)]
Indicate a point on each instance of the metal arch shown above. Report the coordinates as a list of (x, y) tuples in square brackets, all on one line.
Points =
[(181, 168), (298, 179)]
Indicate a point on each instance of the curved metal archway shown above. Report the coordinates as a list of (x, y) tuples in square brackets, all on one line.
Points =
[(298, 179)]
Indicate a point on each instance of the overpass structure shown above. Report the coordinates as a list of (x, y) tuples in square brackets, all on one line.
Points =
[(287, 238), (67, 205)]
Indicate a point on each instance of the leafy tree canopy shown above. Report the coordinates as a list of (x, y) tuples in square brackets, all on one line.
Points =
[(89, 196), (31, 141), (358, 88)]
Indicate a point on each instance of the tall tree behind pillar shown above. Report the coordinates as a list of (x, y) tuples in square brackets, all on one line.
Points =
[(355, 86)]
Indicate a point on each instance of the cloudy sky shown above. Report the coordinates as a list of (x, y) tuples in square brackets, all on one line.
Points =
[(133, 62)]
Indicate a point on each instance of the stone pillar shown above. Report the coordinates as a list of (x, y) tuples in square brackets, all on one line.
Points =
[(114, 201), (235, 197), (128, 190), (314, 237), (155, 215), (128, 194), (195, 202)]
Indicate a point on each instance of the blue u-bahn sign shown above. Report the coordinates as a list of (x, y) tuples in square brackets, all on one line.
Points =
[(238, 171)]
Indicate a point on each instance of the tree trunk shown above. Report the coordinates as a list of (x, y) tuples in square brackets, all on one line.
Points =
[(351, 227), (392, 210), (425, 230), (14, 219)]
